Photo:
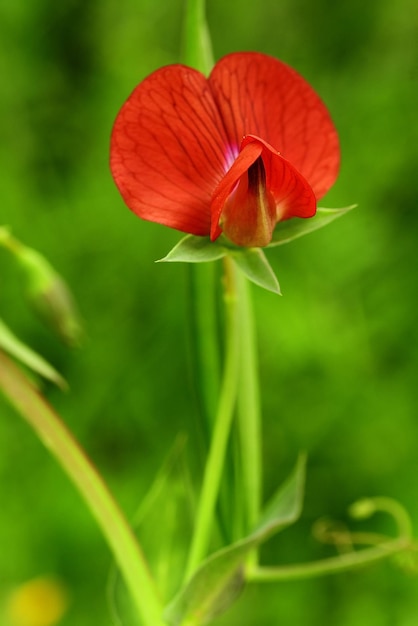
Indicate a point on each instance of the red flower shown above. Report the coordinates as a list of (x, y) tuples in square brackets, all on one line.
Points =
[(236, 153)]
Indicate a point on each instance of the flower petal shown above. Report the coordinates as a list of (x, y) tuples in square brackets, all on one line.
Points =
[(286, 192), (168, 149), (293, 195), (259, 95), (226, 186)]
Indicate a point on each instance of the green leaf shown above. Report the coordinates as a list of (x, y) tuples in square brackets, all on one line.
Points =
[(296, 227), (20, 351), (254, 264), (169, 498), (193, 249), (219, 579)]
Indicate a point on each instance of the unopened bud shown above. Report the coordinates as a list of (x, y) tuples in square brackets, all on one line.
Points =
[(50, 295)]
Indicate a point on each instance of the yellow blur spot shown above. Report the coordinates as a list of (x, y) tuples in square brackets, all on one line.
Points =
[(39, 602)]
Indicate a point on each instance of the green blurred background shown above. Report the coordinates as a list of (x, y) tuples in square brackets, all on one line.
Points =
[(338, 352)]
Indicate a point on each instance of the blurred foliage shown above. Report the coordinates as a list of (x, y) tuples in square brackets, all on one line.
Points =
[(338, 351)]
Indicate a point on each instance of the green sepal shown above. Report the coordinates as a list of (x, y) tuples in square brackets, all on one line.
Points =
[(251, 261), (255, 266), (288, 230), (193, 249), (219, 579), (34, 361)]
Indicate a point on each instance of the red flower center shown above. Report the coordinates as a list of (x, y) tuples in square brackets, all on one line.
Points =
[(249, 215)]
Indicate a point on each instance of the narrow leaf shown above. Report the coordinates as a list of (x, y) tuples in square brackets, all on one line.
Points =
[(219, 579), (254, 264), (52, 431), (169, 498), (286, 503), (192, 249), (34, 361), (296, 227)]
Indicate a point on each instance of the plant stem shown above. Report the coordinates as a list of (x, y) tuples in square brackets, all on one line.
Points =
[(341, 563), (362, 509), (57, 438), (197, 47), (222, 426), (249, 409), (205, 344), (384, 548)]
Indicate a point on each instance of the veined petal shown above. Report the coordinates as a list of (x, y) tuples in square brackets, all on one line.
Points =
[(259, 95), (247, 204), (293, 195), (245, 159), (168, 149)]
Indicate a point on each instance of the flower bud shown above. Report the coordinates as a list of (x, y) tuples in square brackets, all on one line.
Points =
[(50, 295)]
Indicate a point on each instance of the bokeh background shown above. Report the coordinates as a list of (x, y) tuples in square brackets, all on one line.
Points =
[(338, 352)]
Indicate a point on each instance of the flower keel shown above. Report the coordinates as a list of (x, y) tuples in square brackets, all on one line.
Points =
[(259, 190), (248, 217)]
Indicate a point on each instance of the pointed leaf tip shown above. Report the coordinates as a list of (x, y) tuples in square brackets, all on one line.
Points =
[(255, 266), (288, 230), (286, 503), (193, 249), (219, 579), (31, 359), (251, 261)]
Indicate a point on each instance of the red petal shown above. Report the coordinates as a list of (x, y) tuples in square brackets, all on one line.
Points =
[(292, 194), (226, 186), (262, 96), (168, 149)]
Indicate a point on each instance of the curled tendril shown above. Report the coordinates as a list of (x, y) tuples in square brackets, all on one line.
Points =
[(338, 534), (402, 548)]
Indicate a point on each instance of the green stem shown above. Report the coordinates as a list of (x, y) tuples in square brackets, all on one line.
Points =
[(57, 438), (197, 47), (222, 427), (249, 409), (205, 345), (341, 563), (205, 348), (353, 559), (362, 509)]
